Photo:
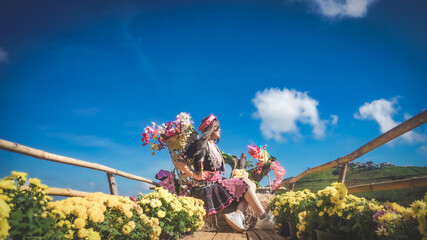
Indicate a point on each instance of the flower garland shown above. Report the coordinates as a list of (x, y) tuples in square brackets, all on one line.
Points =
[(279, 173), (156, 135), (261, 154)]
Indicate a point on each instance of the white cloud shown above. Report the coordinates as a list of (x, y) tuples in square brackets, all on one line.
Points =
[(280, 110), (334, 120), (382, 111), (3, 55), (342, 8)]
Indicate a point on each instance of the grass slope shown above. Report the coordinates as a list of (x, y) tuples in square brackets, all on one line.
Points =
[(356, 176)]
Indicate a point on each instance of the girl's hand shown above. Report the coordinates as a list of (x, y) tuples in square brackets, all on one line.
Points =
[(199, 176)]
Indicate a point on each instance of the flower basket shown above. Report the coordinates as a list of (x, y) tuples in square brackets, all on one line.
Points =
[(176, 145), (176, 136)]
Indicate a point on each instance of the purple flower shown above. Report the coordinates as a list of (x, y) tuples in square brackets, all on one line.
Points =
[(168, 183), (377, 215), (162, 174)]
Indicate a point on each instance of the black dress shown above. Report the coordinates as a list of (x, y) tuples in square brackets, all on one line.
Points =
[(216, 192)]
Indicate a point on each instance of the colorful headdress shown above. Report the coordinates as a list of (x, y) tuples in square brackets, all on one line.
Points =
[(207, 122)]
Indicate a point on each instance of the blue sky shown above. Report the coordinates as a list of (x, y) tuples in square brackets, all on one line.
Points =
[(312, 79)]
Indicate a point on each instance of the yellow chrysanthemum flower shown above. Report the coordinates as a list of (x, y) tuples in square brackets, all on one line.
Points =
[(79, 223), (93, 235), (161, 214)]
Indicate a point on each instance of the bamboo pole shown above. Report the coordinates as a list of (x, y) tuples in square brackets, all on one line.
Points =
[(343, 173), (66, 192), (112, 184), (265, 189), (390, 185), (395, 132), (17, 148)]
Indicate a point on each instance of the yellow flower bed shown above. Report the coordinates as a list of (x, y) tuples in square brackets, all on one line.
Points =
[(30, 213), (177, 215), (334, 210)]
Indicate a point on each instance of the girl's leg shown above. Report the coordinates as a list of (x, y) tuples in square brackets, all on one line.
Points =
[(242, 206), (253, 201)]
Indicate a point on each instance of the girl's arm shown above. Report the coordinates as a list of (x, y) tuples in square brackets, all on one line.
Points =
[(179, 163)]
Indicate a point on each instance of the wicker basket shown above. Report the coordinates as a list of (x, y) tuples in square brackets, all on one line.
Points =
[(176, 145)]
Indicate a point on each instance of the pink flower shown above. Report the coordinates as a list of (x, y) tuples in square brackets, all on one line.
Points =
[(279, 173)]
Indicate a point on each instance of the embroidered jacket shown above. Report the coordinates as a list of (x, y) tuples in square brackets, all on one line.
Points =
[(210, 161)]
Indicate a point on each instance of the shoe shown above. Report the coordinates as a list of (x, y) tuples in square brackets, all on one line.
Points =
[(267, 223), (235, 220)]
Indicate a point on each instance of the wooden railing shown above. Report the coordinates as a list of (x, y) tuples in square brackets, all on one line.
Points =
[(395, 132), (111, 172)]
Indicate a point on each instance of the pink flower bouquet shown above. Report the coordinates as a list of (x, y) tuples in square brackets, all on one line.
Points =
[(156, 135)]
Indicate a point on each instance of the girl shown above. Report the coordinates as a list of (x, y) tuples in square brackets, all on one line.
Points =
[(216, 192)]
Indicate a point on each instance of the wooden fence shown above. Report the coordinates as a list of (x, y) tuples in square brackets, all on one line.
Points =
[(395, 132), (111, 172)]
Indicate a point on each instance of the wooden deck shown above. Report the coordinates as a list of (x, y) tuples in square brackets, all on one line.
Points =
[(248, 235)]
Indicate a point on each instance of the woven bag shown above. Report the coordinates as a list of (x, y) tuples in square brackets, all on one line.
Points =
[(176, 145)]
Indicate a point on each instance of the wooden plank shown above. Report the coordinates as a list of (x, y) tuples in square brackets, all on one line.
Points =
[(393, 133), (36, 153), (253, 235), (201, 236), (230, 236), (276, 236), (223, 236), (390, 185), (266, 235), (66, 192)]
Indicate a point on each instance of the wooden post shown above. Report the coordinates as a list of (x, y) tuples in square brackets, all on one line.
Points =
[(343, 172), (112, 184), (242, 162), (291, 188)]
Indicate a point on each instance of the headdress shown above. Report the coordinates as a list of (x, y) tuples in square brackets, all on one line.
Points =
[(207, 122)]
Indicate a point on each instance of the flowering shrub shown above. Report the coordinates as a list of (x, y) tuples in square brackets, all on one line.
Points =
[(286, 207), (338, 212), (419, 209), (102, 216), (4, 215), (156, 135), (334, 210), (23, 212), (395, 221), (28, 213), (176, 215)]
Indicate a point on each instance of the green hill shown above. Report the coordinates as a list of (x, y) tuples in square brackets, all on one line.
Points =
[(363, 175)]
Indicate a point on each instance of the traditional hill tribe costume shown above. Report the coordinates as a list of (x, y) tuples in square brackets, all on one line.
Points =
[(217, 192)]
